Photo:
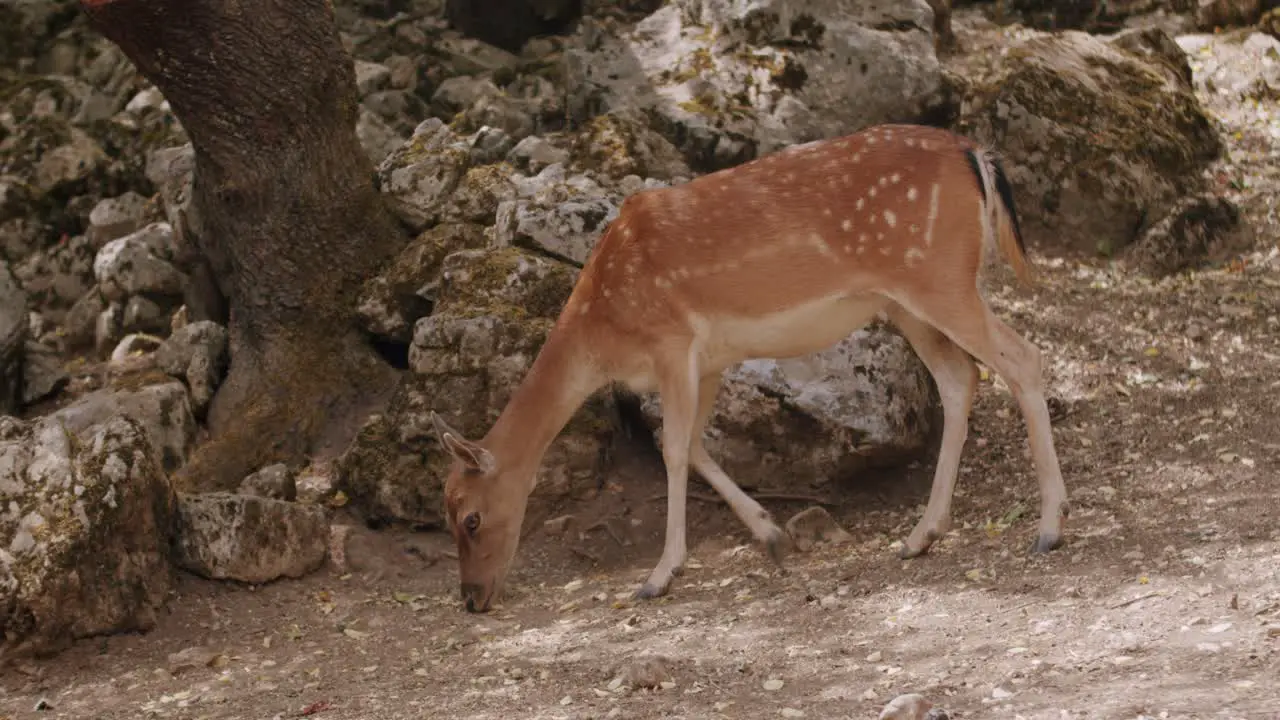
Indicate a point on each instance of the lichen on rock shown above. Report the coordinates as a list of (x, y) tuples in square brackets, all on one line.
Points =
[(84, 532)]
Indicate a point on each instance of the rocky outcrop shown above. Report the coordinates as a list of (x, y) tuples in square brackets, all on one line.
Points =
[(84, 532), (1099, 143), (728, 81)]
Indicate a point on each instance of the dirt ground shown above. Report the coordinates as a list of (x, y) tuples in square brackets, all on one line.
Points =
[(1164, 603)]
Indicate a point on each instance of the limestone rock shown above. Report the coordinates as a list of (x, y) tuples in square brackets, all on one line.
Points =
[(481, 192), (559, 214), (815, 526), (420, 175), (726, 81), (56, 277), (396, 298), (820, 418), (1199, 228), (224, 536), (139, 263), (1098, 143), (162, 411), (620, 144), (42, 372), (533, 154), (493, 310), (116, 217), (377, 137), (273, 481), (84, 531), (196, 353)]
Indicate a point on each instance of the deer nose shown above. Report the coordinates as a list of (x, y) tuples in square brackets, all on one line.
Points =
[(472, 593)]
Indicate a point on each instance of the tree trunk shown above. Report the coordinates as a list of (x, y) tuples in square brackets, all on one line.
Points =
[(284, 210)]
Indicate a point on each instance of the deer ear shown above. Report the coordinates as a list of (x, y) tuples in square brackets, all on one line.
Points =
[(471, 454)]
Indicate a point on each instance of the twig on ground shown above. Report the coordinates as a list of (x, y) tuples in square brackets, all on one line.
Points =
[(1130, 601)]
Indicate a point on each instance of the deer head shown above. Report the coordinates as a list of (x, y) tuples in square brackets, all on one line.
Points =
[(484, 509)]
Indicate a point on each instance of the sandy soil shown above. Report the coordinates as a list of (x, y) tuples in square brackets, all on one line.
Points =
[(1164, 603)]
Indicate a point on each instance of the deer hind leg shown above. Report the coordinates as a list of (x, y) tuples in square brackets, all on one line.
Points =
[(756, 518), (678, 388), (971, 325), (956, 376)]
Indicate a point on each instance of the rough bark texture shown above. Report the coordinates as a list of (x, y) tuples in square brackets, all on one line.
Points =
[(283, 209)]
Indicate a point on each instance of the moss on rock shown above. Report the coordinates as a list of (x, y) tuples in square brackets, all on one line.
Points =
[(1099, 143)]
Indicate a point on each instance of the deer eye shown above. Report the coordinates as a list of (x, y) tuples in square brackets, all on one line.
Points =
[(471, 523)]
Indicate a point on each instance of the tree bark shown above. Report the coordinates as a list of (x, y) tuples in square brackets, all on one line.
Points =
[(284, 210)]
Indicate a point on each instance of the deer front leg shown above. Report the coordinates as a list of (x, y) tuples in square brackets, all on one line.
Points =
[(679, 391)]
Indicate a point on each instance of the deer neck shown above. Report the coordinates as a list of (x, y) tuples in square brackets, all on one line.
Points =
[(559, 381)]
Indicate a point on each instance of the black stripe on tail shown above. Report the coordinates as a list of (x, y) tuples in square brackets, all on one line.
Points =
[(1003, 188)]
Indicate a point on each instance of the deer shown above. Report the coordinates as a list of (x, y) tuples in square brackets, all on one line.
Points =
[(778, 257)]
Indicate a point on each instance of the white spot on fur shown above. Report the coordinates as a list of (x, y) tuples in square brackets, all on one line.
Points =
[(890, 218), (912, 194), (934, 192), (913, 256)]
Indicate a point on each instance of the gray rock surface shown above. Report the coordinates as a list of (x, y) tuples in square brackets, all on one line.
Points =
[(163, 411), (84, 532), (730, 80), (225, 536), (196, 353), (273, 481), (139, 263)]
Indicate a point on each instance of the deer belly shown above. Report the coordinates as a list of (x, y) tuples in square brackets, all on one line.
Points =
[(797, 330)]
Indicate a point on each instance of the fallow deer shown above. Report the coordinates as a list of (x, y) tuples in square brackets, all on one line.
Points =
[(778, 257)]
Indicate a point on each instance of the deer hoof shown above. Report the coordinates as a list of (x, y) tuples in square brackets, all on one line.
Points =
[(649, 591), (1046, 543), (907, 552), (775, 545)]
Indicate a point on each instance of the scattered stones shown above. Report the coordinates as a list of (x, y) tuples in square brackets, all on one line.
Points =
[(273, 481), (225, 536), (403, 293), (815, 526)]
